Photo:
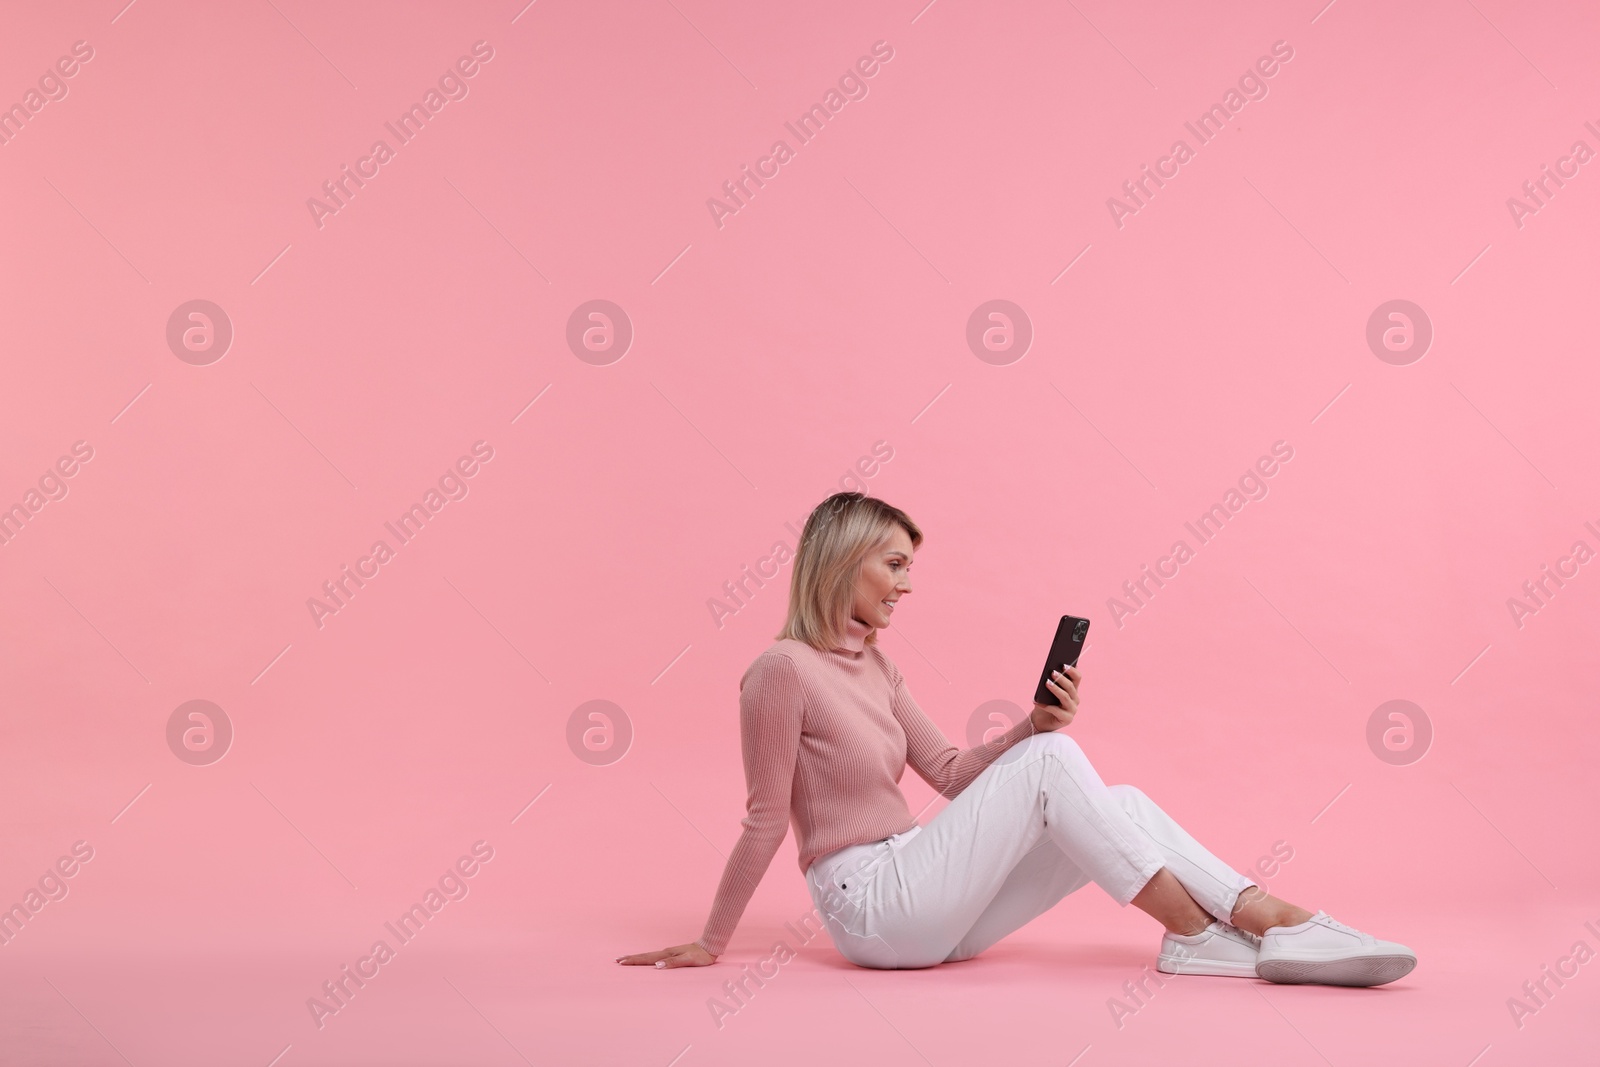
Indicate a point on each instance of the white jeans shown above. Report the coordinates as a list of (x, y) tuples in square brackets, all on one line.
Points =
[(1037, 824)]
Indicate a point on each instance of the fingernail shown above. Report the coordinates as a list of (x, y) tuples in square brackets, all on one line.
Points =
[(661, 963)]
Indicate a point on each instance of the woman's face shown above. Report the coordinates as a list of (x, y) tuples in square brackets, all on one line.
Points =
[(884, 578)]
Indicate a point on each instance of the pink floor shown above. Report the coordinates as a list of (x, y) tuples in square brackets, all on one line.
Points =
[(1045, 997), (521, 969)]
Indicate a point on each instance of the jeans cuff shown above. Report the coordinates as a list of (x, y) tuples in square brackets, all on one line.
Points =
[(1139, 882), (1232, 900)]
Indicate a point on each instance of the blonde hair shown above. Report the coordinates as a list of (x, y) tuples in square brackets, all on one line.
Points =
[(839, 534)]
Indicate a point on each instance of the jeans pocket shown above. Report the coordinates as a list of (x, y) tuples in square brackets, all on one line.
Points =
[(842, 884), (850, 914)]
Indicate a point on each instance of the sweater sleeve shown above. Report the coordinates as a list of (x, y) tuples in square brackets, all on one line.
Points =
[(771, 709), (929, 752)]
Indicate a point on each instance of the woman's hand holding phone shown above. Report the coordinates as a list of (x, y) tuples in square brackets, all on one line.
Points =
[(1064, 685)]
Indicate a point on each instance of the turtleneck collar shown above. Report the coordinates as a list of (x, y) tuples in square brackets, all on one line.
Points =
[(855, 635)]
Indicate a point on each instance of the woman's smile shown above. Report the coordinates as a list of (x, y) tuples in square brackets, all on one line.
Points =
[(884, 578)]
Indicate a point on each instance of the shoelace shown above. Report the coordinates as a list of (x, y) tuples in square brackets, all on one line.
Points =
[(1334, 924), (1254, 940)]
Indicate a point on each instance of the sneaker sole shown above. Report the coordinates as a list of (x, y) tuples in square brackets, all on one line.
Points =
[(1357, 971), (1222, 968)]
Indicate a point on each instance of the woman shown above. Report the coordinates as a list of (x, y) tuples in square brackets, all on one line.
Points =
[(828, 726)]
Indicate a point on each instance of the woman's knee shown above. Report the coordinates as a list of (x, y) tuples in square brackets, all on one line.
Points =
[(1029, 754), (1130, 797), (1035, 755), (1052, 741)]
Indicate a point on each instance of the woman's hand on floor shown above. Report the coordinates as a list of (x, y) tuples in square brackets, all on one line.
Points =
[(1047, 717), (690, 955)]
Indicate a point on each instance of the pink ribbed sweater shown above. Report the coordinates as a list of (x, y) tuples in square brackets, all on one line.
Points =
[(826, 738)]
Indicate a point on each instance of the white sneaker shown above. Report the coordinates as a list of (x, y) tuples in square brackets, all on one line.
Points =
[(1218, 949), (1327, 952)]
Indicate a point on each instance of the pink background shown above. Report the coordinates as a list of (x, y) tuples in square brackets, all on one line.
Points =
[(770, 355)]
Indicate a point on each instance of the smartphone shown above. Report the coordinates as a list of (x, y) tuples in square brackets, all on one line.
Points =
[(1064, 650)]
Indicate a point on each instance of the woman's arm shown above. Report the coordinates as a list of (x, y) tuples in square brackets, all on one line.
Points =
[(771, 709), (929, 752)]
